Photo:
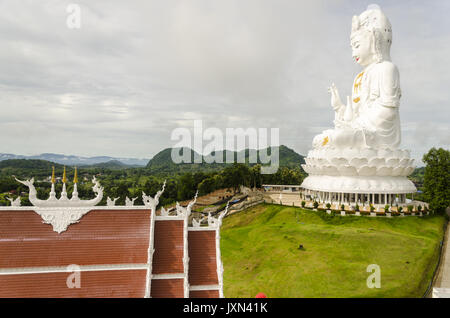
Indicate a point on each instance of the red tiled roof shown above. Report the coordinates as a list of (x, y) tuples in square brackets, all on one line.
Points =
[(102, 238)]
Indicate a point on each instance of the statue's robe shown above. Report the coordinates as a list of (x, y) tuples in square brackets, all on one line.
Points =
[(375, 103), (377, 106)]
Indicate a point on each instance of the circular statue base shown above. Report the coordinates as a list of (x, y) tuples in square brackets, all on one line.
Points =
[(359, 184), (360, 160)]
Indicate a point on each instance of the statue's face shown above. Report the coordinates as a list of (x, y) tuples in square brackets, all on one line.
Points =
[(362, 48)]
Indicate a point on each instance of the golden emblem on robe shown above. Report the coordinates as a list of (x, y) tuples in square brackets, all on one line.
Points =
[(357, 86)]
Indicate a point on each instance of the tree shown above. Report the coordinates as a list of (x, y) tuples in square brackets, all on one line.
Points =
[(186, 187), (122, 192), (236, 175), (436, 181), (206, 186)]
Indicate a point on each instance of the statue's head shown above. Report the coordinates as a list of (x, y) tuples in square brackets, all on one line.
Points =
[(371, 37)]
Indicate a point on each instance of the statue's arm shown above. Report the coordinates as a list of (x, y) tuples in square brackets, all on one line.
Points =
[(389, 85)]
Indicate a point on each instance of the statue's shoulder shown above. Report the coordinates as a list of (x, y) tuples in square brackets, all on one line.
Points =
[(386, 68)]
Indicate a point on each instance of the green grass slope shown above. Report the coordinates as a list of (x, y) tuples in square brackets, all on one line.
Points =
[(260, 253)]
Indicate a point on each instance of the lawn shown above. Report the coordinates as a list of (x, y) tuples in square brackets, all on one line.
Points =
[(260, 253)]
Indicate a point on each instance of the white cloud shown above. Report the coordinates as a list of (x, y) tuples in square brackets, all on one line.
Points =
[(135, 71)]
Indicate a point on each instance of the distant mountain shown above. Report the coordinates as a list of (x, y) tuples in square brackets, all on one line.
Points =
[(112, 164), (72, 160), (162, 161), (28, 164), (43, 168), (27, 168)]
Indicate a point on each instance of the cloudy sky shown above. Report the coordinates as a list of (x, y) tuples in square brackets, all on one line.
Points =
[(136, 70)]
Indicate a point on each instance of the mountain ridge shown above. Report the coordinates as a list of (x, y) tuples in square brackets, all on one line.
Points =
[(162, 161), (73, 160)]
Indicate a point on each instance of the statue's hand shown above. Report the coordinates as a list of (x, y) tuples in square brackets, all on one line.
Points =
[(348, 115), (336, 102)]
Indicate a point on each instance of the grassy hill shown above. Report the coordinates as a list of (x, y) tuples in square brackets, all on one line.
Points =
[(162, 161), (260, 253)]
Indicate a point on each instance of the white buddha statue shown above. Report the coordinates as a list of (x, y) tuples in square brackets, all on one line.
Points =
[(371, 116), (361, 153)]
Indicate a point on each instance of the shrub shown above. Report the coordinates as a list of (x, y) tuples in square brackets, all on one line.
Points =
[(303, 204), (316, 204), (372, 208), (435, 179), (410, 208), (342, 207), (419, 208), (357, 208), (400, 209), (328, 206), (386, 208)]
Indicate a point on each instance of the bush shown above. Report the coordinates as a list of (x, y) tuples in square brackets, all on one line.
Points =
[(328, 206), (372, 208), (316, 204), (386, 208), (342, 207), (400, 209), (419, 208), (410, 208), (303, 204), (357, 208)]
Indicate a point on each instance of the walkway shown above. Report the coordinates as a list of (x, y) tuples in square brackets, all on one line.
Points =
[(443, 278)]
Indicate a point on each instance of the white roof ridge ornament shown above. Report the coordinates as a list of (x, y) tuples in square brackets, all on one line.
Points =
[(153, 202), (63, 201), (186, 210)]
